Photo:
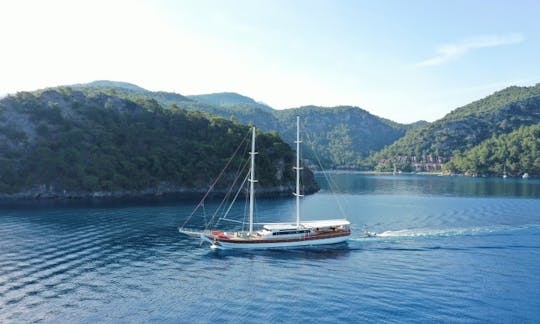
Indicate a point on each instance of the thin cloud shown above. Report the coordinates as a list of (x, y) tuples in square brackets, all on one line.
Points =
[(449, 52)]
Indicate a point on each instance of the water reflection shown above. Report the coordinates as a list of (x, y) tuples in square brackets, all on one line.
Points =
[(357, 183)]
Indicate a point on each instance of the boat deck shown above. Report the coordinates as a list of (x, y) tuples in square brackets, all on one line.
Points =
[(217, 236)]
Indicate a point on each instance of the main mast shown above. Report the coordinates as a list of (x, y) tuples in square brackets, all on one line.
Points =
[(298, 168), (252, 182)]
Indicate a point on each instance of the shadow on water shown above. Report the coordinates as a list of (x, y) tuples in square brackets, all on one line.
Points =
[(329, 252), (121, 202), (105, 203)]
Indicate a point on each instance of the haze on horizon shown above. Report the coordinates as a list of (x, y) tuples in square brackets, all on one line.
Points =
[(401, 60)]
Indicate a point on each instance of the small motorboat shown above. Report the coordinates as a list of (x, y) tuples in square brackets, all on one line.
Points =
[(368, 233)]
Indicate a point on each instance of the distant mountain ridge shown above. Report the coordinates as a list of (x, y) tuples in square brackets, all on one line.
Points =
[(344, 136), (350, 137), (110, 84), (228, 99), (163, 97)]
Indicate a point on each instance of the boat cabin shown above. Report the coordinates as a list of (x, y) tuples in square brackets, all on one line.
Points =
[(282, 231), (305, 228)]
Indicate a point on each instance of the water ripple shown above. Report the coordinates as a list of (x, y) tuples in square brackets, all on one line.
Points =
[(449, 259)]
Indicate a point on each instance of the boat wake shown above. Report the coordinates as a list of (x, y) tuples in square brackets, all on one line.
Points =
[(429, 233)]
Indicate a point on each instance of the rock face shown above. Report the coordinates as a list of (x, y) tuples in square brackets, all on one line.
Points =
[(66, 143)]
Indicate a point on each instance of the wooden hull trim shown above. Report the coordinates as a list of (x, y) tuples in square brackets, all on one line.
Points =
[(222, 243)]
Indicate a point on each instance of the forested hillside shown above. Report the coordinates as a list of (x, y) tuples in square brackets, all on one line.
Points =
[(339, 136), (227, 105), (515, 153), (350, 137), (71, 143), (431, 146)]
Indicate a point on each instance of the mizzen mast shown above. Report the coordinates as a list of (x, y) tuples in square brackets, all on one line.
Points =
[(298, 168), (252, 182)]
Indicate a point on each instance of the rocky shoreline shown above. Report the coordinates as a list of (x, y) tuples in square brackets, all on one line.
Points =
[(50, 192)]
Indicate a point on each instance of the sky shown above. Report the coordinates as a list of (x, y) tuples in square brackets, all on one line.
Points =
[(402, 60)]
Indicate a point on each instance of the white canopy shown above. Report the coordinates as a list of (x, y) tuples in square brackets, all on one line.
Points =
[(326, 223), (308, 224)]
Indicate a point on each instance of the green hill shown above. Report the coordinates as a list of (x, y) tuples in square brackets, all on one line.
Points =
[(340, 136), (337, 136), (81, 134), (430, 146), (246, 113), (78, 143), (516, 153)]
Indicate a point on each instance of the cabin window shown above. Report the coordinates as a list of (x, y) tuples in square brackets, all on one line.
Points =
[(291, 232)]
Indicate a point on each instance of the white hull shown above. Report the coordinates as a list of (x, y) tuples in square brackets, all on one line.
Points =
[(222, 245)]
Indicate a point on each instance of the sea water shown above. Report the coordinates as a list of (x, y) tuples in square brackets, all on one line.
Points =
[(448, 249)]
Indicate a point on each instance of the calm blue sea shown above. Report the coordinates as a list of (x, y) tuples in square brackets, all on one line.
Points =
[(450, 249)]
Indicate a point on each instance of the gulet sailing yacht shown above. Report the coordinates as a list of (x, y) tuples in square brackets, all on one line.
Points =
[(278, 235)]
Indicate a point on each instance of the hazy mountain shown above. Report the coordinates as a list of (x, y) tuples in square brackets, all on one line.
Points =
[(129, 89), (111, 84), (230, 99)]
